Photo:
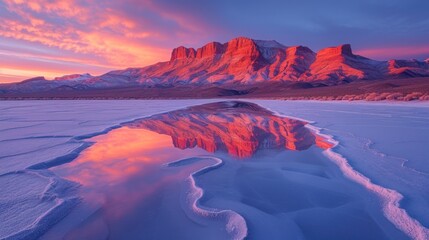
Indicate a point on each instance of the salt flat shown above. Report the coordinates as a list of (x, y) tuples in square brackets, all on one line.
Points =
[(383, 144)]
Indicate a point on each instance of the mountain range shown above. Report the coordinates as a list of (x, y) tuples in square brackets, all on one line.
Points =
[(234, 64)]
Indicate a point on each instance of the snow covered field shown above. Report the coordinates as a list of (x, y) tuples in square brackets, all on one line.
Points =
[(375, 181)]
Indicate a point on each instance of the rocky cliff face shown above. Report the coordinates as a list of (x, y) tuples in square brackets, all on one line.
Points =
[(246, 61), (182, 53), (339, 63), (210, 50), (407, 68)]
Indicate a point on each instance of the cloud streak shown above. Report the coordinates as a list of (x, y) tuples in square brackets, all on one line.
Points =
[(89, 33)]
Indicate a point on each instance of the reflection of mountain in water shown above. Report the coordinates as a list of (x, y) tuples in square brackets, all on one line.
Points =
[(240, 128)]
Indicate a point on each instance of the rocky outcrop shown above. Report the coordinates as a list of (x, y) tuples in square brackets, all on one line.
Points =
[(182, 52), (210, 50), (74, 77), (342, 50), (339, 63), (407, 68), (244, 61), (247, 61)]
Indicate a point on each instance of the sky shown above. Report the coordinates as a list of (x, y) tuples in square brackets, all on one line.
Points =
[(57, 37)]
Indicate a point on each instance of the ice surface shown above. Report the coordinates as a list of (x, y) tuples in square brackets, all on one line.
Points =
[(385, 143), (235, 224), (39, 134), (31, 202)]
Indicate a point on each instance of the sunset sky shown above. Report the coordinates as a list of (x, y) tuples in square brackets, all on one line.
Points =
[(53, 38)]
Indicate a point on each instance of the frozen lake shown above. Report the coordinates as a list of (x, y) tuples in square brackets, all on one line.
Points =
[(260, 168)]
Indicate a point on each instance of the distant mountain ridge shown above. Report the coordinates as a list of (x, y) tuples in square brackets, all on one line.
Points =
[(241, 61)]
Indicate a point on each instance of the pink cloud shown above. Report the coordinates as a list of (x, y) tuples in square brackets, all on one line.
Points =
[(385, 53), (113, 47), (100, 34)]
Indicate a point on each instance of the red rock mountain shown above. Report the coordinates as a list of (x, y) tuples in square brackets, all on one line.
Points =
[(247, 61), (238, 128)]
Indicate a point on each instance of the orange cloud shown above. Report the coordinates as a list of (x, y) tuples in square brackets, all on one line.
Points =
[(105, 37), (117, 50)]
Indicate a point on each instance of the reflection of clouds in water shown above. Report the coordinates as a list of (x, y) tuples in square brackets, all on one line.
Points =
[(121, 154)]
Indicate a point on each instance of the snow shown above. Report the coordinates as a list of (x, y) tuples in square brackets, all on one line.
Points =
[(74, 77), (386, 144), (269, 44), (37, 133), (235, 223), (378, 167), (31, 202)]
